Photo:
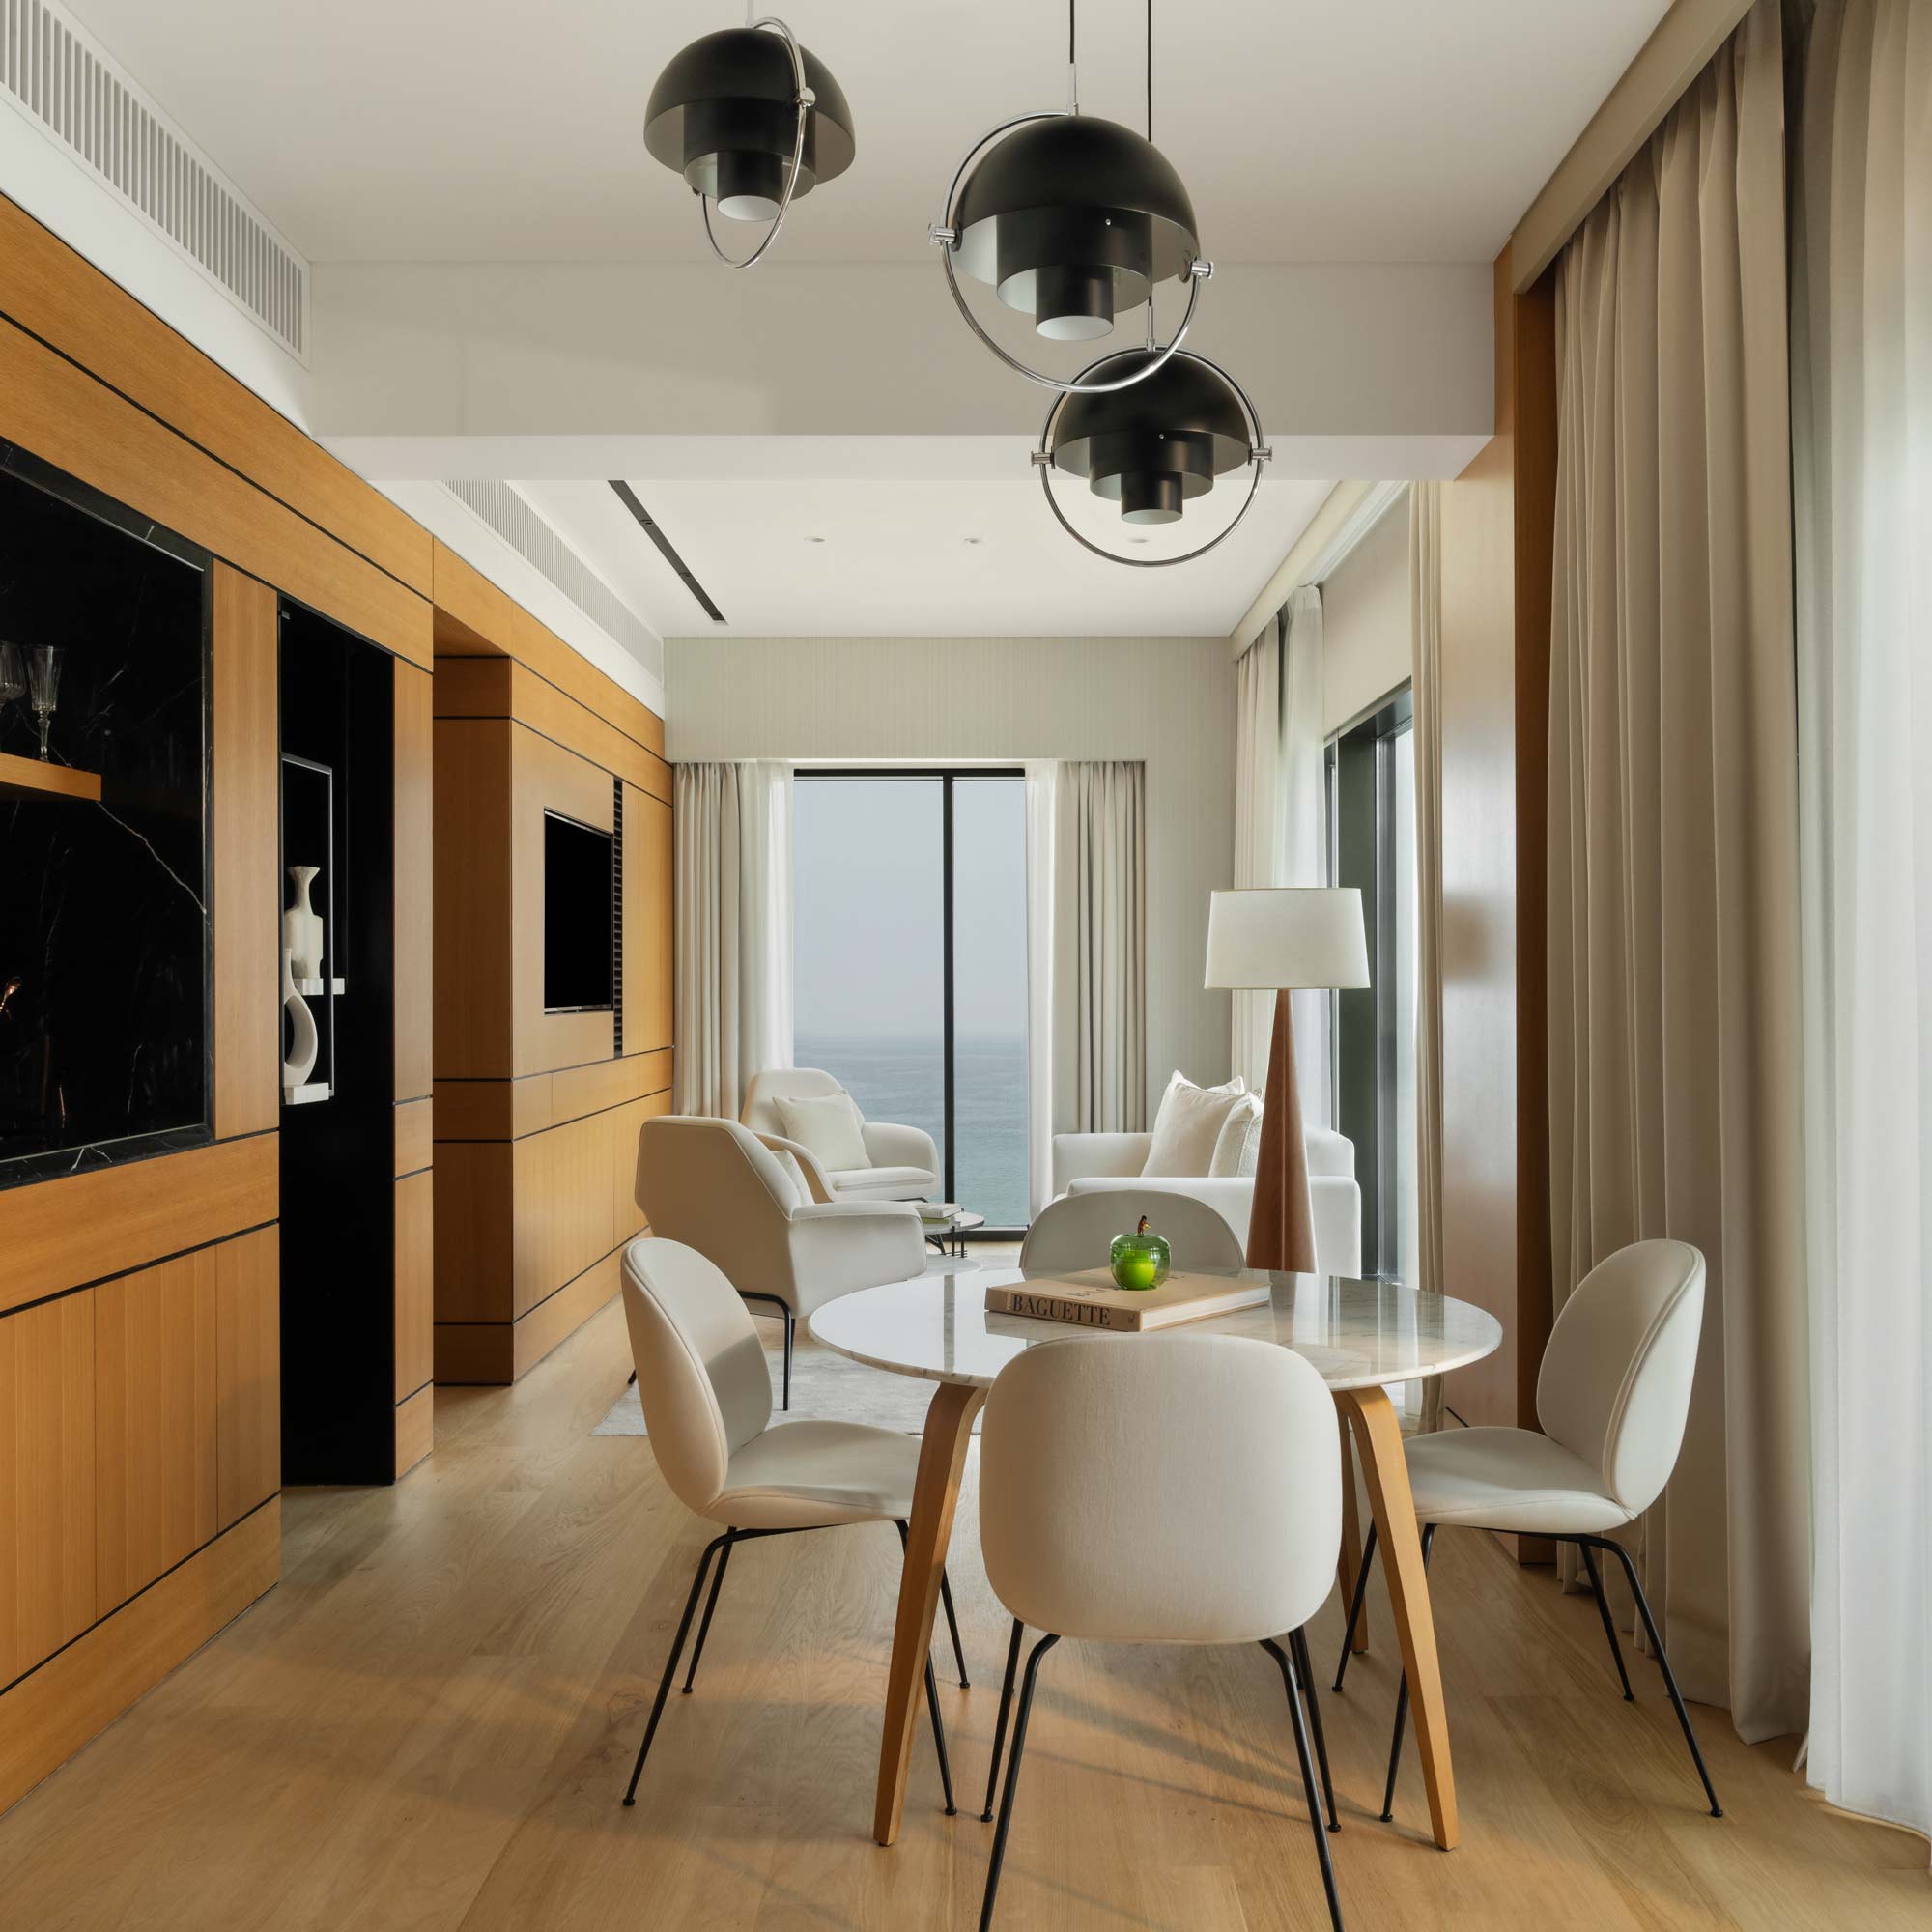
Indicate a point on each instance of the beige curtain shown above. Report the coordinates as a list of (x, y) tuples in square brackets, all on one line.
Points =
[(733, 930), (1425, 589), (1256, 824), (1861, 429), (1099, 946), (1673, 941)]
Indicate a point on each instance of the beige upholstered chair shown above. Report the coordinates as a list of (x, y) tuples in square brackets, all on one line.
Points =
[(1612, 1397), (1077, 1231), (707, 1402), (1171, 1489), (904, 1162), (714, 1186)]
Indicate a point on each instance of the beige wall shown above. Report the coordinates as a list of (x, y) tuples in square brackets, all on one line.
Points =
[(1366, 623), (1169, 701)]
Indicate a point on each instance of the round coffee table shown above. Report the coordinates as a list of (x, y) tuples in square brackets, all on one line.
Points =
[(954, 1228)]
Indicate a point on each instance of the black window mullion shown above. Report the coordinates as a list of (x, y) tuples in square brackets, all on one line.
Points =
[(945, 974)]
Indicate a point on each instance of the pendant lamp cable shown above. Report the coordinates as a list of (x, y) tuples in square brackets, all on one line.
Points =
[(1150, 46), (1072, 60)]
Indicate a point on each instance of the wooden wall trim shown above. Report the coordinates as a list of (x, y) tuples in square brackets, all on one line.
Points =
[(48, 1714), (60, 413), (414, 887), (474, 905), (493, 1354), (110, 1220), (55, 294), (509, 1110), (245, 737), (475, 618)]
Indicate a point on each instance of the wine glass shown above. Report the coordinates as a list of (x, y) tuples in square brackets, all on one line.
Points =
[(12, 676), (44, 673)]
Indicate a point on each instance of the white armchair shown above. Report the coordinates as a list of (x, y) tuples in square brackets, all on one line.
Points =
[(1090, 1163), (714, 1186), (904, 1162)]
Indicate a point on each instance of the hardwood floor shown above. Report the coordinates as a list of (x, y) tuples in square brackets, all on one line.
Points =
[(428, 1724)]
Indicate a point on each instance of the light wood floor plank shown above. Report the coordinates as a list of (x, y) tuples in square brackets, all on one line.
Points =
[(427, 1727)]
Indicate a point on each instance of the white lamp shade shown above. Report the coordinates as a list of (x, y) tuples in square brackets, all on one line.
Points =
[(1273, 937)]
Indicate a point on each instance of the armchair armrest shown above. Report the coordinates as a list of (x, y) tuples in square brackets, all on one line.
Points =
[(1075, 1157), (890, 1146), (808, 1161), (837, 1246)]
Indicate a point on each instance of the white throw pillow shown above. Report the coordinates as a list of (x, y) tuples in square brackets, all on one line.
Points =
[(1188, 1126), (827, 1126), (1237, 1150)]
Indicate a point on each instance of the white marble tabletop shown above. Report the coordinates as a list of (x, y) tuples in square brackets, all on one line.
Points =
[(1358, 1334)]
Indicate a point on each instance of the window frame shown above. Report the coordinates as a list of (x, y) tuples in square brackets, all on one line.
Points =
[(946, 776)]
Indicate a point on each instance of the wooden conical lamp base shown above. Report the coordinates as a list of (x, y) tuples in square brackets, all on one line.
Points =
[(1281, 1228)]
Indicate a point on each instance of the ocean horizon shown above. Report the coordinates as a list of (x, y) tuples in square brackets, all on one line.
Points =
[(901, 1078)]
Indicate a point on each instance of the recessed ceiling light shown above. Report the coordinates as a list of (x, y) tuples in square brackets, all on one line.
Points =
[(815, 539), (973, 540)]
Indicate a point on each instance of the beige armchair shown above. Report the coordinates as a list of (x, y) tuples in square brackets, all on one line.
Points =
[(714, 1186), (904, 1162)]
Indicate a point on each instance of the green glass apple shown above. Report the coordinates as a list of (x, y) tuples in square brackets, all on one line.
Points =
[(1140, 1259)]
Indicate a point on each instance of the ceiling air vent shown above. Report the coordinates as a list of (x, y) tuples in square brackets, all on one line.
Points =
[(55, 74)]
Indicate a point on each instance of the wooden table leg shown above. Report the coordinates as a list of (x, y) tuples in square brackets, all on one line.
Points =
[(942, 1457), (1378, 1443), (1350, 1563)]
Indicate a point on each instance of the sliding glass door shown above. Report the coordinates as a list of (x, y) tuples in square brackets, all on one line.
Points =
[(909, 946)]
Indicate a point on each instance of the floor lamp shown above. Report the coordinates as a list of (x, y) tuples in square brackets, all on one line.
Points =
[(1281, 939)]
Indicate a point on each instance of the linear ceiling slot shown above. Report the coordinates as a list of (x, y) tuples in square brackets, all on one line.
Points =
[(649, 526)]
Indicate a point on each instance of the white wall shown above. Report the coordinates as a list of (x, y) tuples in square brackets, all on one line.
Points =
[(1169, 701), (1367, 627)]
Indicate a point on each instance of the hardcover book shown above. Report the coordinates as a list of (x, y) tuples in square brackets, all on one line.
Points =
[(1090, 1300)]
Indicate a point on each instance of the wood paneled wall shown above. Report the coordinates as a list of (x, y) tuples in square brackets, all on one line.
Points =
[(140, 1377), (537, 1114), (1497, 531)]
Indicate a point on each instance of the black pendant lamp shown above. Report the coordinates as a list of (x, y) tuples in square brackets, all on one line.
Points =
[(751, 121), (1151, 443), (1071, 219)]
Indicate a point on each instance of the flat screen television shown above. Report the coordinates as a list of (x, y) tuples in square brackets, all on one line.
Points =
[(579, 863)]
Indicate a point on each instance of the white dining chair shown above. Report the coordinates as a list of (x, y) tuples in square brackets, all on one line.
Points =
[(1612, 1396), (1168, 1489), (707, 1402), (1077, 1231)]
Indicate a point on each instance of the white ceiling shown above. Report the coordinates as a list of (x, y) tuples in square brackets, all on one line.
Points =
[(1313, 130), (892, 557)]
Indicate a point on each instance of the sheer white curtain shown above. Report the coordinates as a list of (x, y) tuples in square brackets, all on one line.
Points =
[(1257, 831), (1041, 783), (1861, 433), (1303, 859), (1675, 1064), (733, 944)]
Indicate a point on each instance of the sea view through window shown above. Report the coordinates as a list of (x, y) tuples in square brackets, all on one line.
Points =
[(872, 970)]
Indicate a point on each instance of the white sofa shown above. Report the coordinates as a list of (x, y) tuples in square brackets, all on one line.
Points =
[(905, 1163), (1088, 1163)]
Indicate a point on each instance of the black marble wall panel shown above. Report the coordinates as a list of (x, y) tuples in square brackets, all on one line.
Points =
[(104, 933)]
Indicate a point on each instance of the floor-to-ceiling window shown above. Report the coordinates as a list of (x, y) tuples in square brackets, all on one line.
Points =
[(1371, 845), (909, 947)]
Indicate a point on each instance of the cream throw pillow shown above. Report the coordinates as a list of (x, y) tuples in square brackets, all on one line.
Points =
[(827, 1126), (1237, 1150), (1188, 1126)]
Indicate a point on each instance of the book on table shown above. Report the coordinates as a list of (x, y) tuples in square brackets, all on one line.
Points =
[(1090, 1300)]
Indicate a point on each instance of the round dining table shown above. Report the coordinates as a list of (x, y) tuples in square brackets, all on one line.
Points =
[(1362, 1336)]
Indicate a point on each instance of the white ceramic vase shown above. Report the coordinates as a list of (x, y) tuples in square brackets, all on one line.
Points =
[(302, 927), (304, 1040)]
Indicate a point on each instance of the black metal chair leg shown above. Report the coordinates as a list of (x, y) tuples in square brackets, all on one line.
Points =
[(1025, 1711), (1609, 1628), (1623, 1555), (953, 1625), (791, 1329), (1275, 1650), (1356, 1605), (704, 1622), (939, 1738), (1402, 1701), (1304, 1673), (670, 1665), (999, 1727)]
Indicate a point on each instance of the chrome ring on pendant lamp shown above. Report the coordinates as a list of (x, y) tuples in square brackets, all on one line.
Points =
[(1152, 443), (751, 121), (1070, 219)]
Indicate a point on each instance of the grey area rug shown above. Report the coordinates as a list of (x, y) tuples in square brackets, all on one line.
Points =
[(825, 1386)]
